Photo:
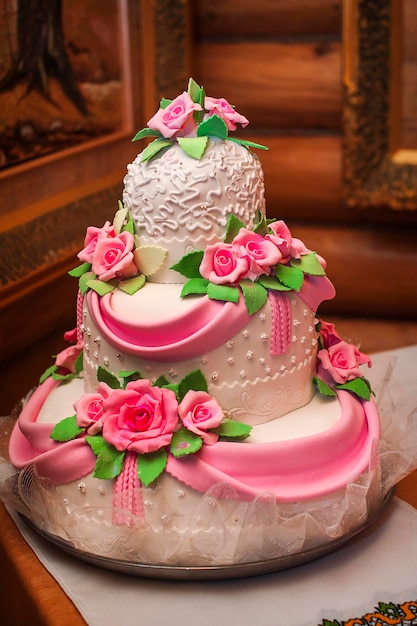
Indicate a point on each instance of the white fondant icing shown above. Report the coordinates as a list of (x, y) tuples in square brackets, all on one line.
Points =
[(182, 204), (252, 390)]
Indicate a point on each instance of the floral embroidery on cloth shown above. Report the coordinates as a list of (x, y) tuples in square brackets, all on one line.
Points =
[(385, 614)]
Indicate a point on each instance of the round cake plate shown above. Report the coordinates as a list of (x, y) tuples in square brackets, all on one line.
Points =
[(213, 572)]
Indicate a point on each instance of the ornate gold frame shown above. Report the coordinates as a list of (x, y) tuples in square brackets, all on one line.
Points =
[(377, 172)]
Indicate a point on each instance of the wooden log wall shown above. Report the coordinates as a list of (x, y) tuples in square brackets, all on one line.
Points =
[(280, 63)]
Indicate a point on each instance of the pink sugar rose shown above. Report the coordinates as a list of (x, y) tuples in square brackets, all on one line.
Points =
[(71, 335), (113, 257), (89, 409), (340, 362), (93, 234), (261, 253), (289, 246), (140, 418), (176, 120), (221, 107), (67, 357), (329, 334), (220, 266), (200, 412)]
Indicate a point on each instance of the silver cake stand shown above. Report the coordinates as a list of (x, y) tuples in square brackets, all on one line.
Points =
[(213, 572)]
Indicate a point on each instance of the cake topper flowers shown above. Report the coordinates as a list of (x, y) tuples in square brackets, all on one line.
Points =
[(150, 419), (249, 262), (190, 119)]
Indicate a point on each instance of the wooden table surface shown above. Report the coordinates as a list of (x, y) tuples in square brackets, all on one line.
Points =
[(30, 596)]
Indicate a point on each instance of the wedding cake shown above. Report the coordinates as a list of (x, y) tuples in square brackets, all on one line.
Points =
[(203, 413)]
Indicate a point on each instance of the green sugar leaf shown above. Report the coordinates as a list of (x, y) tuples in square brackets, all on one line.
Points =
[(195, 92), (193, 146), (260, 225), (151, 465), (47, 373), (248, 144), (270, 282), (173, 387), (161, 381), (233, 226), (189, 264), (104, 376), (128, 376), (164, 102), (78, 365), (185, 442), (367, 382), (289, 276), (254, 294), (358, 386), (146, 132), (62, 377), (153, 148), (194, 286), (213, 126), (132, 285), (309, 264), (97, 443), (324, 388), (225, 293), (101, 287), (129, 227), (84, 280), (66, 430), (80, 270), (232, 430), (109, 460), (194, 380)]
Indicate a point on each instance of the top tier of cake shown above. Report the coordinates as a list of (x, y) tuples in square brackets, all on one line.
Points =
[(181, 203)]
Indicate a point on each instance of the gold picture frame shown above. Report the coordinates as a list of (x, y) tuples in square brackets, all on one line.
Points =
[(378, 173)]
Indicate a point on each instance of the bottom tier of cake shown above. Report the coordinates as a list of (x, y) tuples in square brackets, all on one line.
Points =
[(298, 482)]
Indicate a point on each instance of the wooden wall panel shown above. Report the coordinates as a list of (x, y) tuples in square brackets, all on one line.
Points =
[(276, 85), (280, 63), (219, 18), (302, 176)]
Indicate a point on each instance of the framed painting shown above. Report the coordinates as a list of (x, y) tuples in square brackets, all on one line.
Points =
[(77, 81), (380, 107)]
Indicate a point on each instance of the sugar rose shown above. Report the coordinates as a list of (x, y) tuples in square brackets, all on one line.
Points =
[(89, 409), (92, 235), (68, 356), (340, 362), (140, 418), (220, 266), (221, 107), (289, 246), (113, 257), (176, 120), (261, 253), (200, 412), (328, 333)]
